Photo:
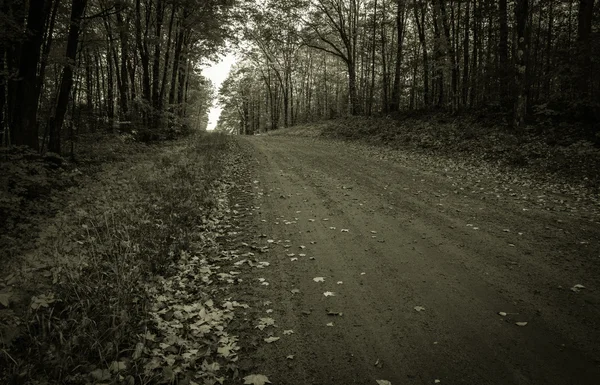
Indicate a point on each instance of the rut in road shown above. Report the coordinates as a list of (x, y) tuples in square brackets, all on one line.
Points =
[(384, 270)]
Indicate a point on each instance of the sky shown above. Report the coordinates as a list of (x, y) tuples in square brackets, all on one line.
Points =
[(217, 72)]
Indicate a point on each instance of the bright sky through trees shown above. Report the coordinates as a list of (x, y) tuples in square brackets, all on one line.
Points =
[(217, 73)]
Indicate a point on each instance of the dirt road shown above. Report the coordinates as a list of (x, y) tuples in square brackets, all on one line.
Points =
[(431, 270)]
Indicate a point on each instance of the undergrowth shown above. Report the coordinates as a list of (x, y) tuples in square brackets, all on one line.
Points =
[(121, 232), (561, 150)]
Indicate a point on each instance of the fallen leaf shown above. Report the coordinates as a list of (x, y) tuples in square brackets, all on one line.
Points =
[(271, 339), (101, 375), (290, 357), (116, 367), (256, 379), (419, 308), (329, 294), (577, 287), (319, 279), (288, 332), (521, 323), (295, 291), (5, 299), (330, 324)]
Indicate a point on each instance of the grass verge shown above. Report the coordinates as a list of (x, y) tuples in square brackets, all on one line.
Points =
[(555, 150), (78, 310)]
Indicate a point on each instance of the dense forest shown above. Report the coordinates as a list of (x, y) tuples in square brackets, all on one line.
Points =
[(318, 59), (71, 67)]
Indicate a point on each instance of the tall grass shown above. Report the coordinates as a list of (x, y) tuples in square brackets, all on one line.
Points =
[(114, 239)]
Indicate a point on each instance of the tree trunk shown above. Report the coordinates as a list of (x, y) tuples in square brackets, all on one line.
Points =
[(47, 46), (372, 85), (439, 57), (465, 82), (475, 57), (503, 52), (176, 59), (156, 64), (122, 79), (24, 130), (142, 46), (352, 89), (384, 66), (584, 30), (167, 58), (449, 54), (55, 124), (547, 77), (395, 103), (520, 106), (3, 78), (420, 21)]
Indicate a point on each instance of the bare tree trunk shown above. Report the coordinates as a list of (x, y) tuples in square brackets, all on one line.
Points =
[(24, 130), (420, 21), (384, 66), (475, 57), (465, 82), (584, 30), (167, 58), (395, 103), (520, 107), (122, 79), (372, 86), (449, 54), (156, 64), (142, 46), (66, 83)]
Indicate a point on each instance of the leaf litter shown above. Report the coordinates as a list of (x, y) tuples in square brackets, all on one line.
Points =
[(256, 379)]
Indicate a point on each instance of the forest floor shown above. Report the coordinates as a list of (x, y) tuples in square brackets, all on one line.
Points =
[(298, 259)]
